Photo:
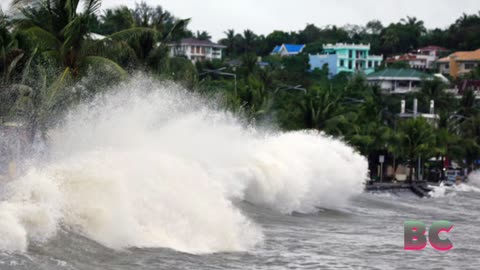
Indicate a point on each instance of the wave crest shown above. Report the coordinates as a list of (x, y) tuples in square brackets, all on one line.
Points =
[(149, 165)]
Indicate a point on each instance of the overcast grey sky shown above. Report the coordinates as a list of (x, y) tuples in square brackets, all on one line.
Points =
[(264, 16)]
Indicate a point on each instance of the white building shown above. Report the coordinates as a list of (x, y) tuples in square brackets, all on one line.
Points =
[(423, 58), (196, 50), (398, 81)]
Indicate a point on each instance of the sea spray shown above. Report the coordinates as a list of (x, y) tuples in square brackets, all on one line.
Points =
[(474, 179), (149, 165), (473, 185)]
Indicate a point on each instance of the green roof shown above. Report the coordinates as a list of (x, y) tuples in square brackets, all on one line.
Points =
[(399, 73)]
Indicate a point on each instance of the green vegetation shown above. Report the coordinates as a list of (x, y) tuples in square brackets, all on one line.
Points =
[(48, 47)]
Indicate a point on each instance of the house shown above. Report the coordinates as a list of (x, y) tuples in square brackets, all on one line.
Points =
[(409, 58), (423, 58), (342, 57), (398, 81), (196, 50), (459, 63), (432, 50), (288, 49)]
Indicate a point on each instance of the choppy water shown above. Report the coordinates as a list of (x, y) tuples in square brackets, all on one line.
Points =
[(366, 235), (158, 179)]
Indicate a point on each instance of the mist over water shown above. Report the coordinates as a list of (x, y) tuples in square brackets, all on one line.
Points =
[(148, 164)]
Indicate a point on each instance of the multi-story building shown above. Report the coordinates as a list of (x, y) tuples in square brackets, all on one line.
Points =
[(197, 50), (342, 57), (432, 50), (423, 58), (459, 63)]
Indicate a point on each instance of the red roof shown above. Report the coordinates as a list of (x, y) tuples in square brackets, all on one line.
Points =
[(403, 57)]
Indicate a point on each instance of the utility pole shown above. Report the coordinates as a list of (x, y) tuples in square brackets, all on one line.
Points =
[(290, 87), (220, 72)]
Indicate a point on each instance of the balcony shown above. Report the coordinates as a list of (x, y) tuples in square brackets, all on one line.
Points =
[(375, 57)]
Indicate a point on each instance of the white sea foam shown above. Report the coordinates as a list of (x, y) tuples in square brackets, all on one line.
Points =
[(149, 165), (472, 186)]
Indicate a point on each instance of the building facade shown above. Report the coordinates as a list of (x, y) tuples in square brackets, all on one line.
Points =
[(423, 58), (459, 63), (342, 57), (398, 81), (196, 50)]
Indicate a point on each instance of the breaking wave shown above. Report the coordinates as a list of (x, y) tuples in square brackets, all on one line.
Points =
[(150, 165)]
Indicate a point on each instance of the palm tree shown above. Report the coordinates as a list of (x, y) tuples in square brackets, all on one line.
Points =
[(391, 39), (39, 103), (10, 55), (369, 129), (415, 138), (448, 142), (10, 59), (415, 28), (468, 106), (154, 29), (415, 25), (249, 39), (249, 64), (470, 130), (230, 41), (322, 110), (436, 90), (115, 20), (62, 34), (204, 35)]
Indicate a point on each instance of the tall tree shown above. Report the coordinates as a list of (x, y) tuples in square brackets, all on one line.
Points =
[(249, 40), (436, 90), (115, 20), (414, 139), (230, 42), (155, 29), (203, 35), (60, 31)]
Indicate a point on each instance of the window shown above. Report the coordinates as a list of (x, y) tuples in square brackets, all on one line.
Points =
[(342, 63), (403, 84), (350, 64), (350, 53), (369, 64), (469, 65)]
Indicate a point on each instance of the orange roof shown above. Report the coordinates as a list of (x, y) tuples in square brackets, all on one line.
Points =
[(462, 56)]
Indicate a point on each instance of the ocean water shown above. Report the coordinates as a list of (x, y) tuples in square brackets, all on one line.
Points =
[(148, 176)]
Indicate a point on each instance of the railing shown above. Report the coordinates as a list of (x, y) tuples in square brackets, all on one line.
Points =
[(404, 90), (329, 45)]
